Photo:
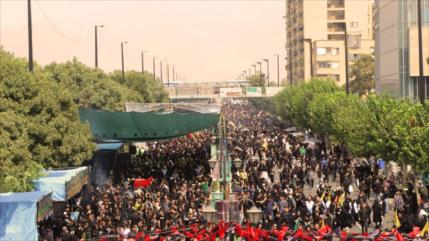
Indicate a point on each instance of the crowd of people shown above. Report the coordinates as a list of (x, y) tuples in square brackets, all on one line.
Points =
[(296, 183)]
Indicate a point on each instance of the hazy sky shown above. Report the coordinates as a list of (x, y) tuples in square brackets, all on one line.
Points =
[(205, 40)]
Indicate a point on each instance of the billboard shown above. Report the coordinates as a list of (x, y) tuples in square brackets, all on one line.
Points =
[(231, 92), (253, 91)]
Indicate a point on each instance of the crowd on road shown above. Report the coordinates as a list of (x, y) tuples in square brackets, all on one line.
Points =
[(295, 183)]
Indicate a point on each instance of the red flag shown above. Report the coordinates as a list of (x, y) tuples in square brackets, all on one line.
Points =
[(325, 230), (141, 182), (414, 233), (399, 236), (139, 235)]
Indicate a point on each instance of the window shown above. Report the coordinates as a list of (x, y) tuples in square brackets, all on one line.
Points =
[(335, 65), (324, 64), (336, 77), (354, 24), (334, 51), (321, 51)]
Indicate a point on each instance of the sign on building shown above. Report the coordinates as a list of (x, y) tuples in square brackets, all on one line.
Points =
[(231, 92), (253, 91)]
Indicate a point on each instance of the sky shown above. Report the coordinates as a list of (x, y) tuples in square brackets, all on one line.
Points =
[(206, 40)]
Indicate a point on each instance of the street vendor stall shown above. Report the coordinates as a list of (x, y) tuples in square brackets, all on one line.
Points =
[(64, 184), (20, 212)]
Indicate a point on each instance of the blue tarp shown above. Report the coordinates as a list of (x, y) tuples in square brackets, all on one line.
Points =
[(55, 182), (18, 215), (109, 146)]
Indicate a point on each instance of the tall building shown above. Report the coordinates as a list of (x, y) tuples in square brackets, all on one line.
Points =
[(316, 31), (397, 47)]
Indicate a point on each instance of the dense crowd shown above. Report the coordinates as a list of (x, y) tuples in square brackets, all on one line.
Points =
[(298, 183)]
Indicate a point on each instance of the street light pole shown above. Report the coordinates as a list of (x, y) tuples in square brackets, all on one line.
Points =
[(421, 81), (96, 43), (168, 74), (260, 70), (30, 37), (144, 51), (268, 71), (278, 70), (153, 65), (160, 67), (122, 58)]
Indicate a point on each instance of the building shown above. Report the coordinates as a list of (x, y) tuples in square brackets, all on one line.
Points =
[(397, 49), (316, 31)]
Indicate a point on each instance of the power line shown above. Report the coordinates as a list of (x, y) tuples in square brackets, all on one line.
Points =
[(56, 28)]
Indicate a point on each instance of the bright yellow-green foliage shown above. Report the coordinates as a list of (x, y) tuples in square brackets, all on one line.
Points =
[(39, 121), (378, 125)]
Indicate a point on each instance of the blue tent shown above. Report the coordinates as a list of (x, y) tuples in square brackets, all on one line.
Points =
[(19, 213), (62, 183)]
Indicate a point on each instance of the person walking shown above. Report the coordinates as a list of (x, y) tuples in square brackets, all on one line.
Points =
[(364, 217)]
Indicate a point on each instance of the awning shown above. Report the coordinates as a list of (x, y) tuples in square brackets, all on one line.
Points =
[(63, 184), (109, 146), (19, 213), (133, 126)]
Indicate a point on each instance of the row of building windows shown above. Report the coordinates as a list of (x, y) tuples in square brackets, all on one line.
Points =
[(327, 51), (328, 64)]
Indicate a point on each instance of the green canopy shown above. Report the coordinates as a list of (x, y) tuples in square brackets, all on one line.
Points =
[(136, 126)]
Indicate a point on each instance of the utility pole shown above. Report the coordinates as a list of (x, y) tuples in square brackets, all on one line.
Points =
[(144, 51), (268, 71), (160, 67), (30, 38), (122, 57), (168, 74), (346, 45), (421, 81), (153, 65), (260, 70), (278, 70), (96, 43)]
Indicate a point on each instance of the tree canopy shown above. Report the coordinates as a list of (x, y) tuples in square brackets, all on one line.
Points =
[(39, 121), (362, 74), (379, 125)]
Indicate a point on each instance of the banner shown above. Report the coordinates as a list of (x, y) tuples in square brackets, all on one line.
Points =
[(253, 91), (44, 207), (231, 92), (74, 186)]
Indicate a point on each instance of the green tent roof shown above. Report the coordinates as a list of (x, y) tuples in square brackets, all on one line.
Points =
[(136, 126)]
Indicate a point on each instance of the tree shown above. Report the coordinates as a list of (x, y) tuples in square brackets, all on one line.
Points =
[(292, 102), (257, 80), (362, 75), (321, 112)]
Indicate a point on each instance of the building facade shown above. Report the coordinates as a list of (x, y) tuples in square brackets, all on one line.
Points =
[(397, 48), (316, 31)]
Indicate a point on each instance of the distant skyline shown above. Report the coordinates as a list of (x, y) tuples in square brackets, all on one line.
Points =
[(205, 40)]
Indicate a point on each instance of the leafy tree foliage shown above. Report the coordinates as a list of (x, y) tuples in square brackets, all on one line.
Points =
[(39, 121), (292, 102), (362, 75), (256, 80), (379, 125)]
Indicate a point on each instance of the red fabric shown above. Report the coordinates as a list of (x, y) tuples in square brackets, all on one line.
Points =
[(414, 233), (325, 230), (399, 236), (139, 235), (141, 182)]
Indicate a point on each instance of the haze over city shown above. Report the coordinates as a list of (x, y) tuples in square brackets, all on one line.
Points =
[(205, 40)]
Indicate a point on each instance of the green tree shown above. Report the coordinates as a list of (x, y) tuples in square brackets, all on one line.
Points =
[(292, 102), (362, 75), (256, 80), (321, 112)]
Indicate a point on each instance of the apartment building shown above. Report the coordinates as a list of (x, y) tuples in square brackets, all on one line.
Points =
[(397, 47), (316, 33)]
